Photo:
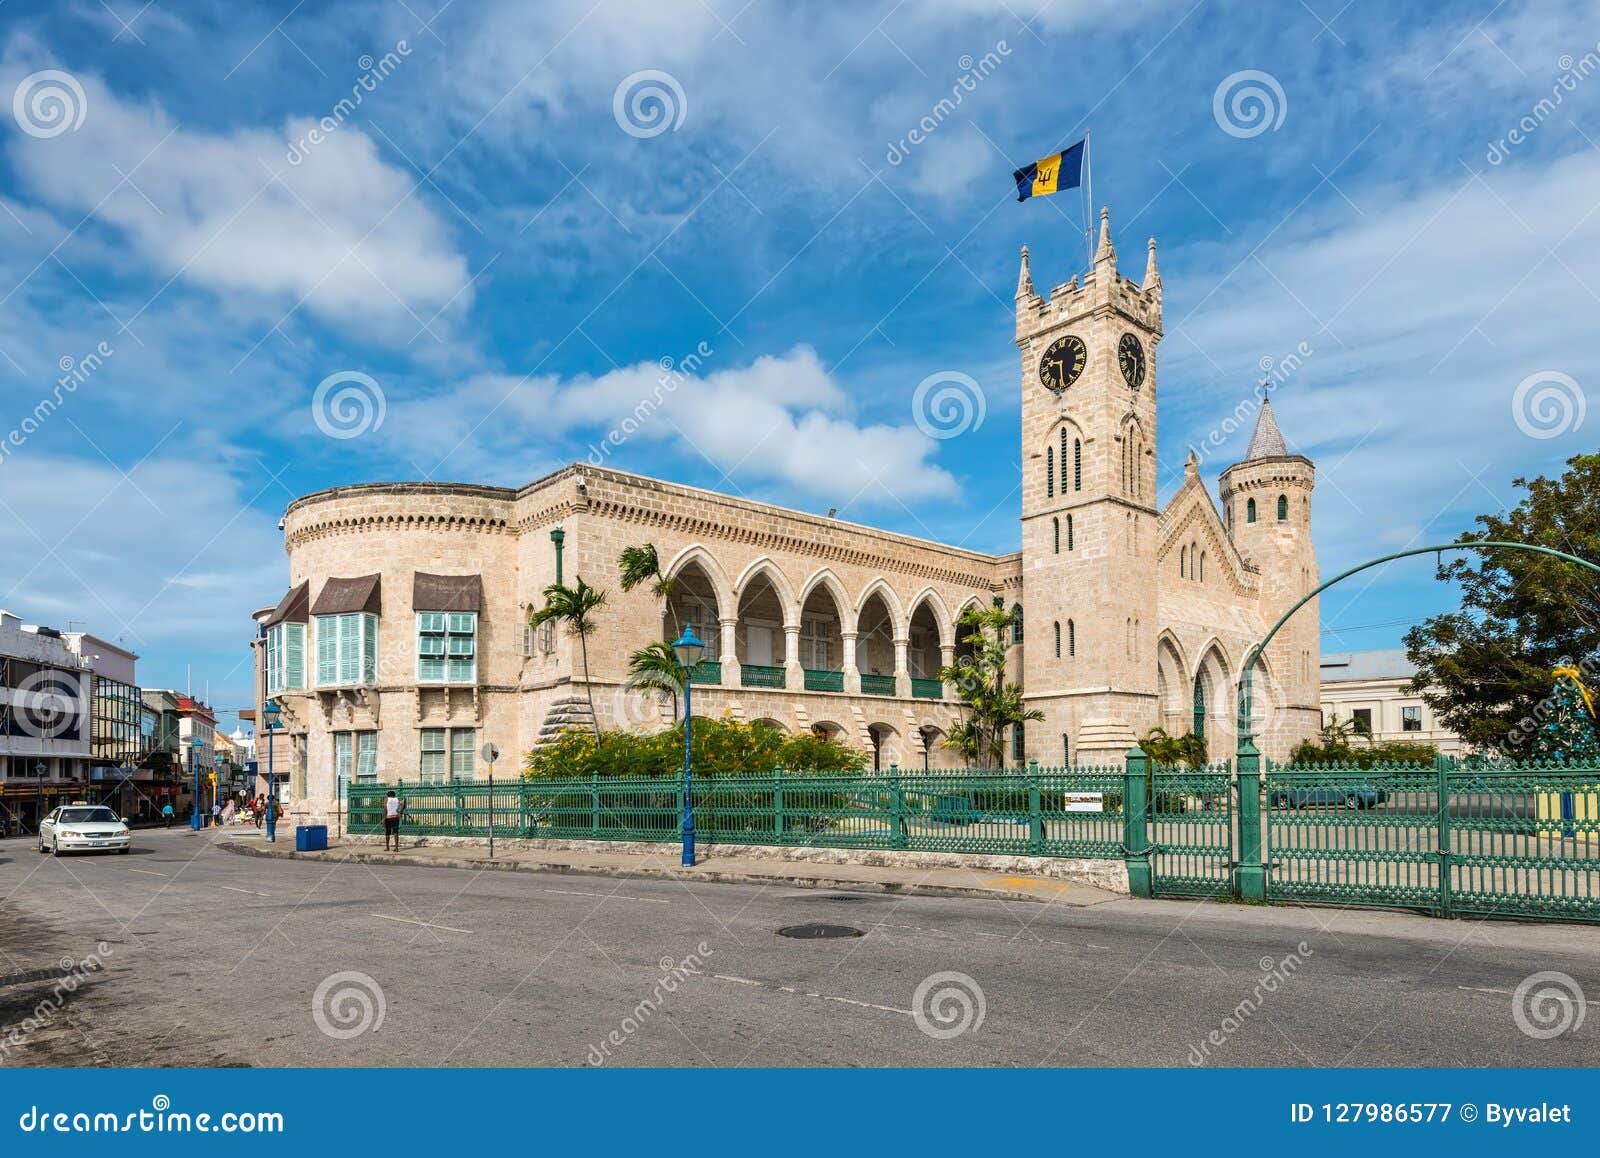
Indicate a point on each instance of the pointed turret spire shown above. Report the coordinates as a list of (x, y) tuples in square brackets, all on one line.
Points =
[(1191, 465), (1267, 441), (1152, 276), (1025, 277), (1105, 252)]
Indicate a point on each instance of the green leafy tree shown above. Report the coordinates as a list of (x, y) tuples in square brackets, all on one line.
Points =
[(1167, 750), (575, 607), (642, 564), (992, 704), (656, 668), (1485, 668)]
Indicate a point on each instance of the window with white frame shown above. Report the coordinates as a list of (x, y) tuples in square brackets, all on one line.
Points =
[(447, 647), (355, 757), (816, 644), (347, 649), (286, 658)]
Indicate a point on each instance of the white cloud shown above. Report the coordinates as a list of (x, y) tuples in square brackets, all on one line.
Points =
[(1424, 313), (781, 420), (171, 560), (342, 232)]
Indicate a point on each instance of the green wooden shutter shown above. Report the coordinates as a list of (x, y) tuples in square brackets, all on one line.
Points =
[(292, 665), (367, 756), (327, 650), (369, 649)]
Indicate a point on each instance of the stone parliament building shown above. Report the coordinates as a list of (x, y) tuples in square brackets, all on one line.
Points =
[(401, 646)]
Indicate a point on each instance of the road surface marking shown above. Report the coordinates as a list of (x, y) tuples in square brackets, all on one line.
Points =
[(252, 892), (811, 993), (147, 872), (424, 924), (1507, 993), (609, 896)]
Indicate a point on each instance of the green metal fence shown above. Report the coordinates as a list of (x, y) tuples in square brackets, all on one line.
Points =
[(1191, 830), (1514, 840), (1520, 840), (1073, 812)]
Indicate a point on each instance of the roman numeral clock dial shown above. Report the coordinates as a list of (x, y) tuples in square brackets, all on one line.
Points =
[(1063, 362), (1130, 356)]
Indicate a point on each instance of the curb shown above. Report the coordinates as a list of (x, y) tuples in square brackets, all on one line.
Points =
[(642, 872)]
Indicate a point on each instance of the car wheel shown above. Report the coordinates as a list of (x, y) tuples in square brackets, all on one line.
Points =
[(125, 849), (55, 848)]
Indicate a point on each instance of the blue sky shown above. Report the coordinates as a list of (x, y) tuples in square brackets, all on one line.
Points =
[(483, 238)]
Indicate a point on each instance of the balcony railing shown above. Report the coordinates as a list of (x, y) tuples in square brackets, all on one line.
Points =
[(707, 671), (824, 681), (877, 685), (755, 675), (927, 689)]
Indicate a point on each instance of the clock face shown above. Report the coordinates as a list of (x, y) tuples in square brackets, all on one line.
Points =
[(1130, 355), (1063, 362)]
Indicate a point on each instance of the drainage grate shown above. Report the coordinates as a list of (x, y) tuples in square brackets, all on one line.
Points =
[(816, 932)]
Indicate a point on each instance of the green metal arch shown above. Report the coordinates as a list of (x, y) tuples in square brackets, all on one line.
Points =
[(1245, 736)]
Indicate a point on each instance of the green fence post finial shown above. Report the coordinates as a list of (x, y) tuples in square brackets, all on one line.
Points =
[(1135, 826), (1250, 875), (1035, 814)]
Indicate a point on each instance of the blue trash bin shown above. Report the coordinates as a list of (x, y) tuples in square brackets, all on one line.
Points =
[(311, 838)]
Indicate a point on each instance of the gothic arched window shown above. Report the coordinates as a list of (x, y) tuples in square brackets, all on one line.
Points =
[(1077, 464), (1069, 532), (1049, 472), (1016, 623), (1055, 525), (1058, 641), (1283, 507), (1183, 562), (1250, 511), (1072, 638), (1199, 728)]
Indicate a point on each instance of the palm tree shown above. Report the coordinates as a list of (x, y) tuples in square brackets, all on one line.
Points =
[(657, 668), (642, 564), (575, 606)]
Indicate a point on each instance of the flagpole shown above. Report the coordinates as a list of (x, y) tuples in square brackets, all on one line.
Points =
[(1088, 192)]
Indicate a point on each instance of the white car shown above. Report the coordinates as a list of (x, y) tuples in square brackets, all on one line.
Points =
[(83, 828)]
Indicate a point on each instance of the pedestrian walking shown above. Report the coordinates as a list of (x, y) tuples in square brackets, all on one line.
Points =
[(166, 814), (393, 809)]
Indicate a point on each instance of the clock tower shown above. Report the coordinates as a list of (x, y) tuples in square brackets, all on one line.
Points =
[(1089, 516)]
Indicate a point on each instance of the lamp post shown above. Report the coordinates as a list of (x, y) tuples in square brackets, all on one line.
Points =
[(688, 649), (194, 766), (271, 721)]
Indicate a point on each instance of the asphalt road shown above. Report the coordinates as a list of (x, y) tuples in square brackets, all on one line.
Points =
[(209, 958)]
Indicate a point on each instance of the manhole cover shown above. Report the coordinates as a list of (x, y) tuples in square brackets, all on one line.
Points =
[(815, 932)]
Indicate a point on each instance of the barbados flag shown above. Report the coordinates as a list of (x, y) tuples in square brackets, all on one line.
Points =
[(1062, 171)]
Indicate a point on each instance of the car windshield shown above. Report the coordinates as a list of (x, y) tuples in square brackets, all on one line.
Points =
[(88, 816)]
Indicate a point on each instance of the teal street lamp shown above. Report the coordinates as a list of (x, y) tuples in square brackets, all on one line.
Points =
[(271, 720), (688, 649)]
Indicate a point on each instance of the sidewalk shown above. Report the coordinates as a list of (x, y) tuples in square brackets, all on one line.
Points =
[(905, 881)]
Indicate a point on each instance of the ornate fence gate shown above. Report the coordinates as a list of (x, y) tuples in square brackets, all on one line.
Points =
[(1191, 831), (1511, 840)]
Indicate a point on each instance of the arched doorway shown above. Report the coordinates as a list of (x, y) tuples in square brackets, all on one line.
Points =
[(694, 600), (759, 638), (885, 746), (875, 646), (822, 639)]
